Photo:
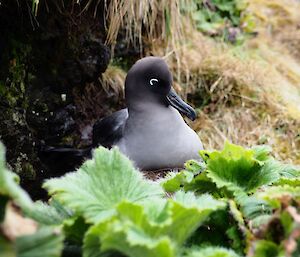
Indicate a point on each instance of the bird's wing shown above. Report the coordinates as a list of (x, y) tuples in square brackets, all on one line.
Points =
[(109, 130)]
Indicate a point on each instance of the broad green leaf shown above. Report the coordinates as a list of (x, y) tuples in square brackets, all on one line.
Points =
[(155, 229), (253, 207), (210, 252), (46, 242), (126, 234), (203, 184), (274, 194), (238, 169), (286, 170), (199, 209), (100, 184)]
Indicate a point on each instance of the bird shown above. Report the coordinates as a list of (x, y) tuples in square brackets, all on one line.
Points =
[(151, 131)]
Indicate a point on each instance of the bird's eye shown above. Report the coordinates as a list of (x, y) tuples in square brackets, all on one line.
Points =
[(153, 82)]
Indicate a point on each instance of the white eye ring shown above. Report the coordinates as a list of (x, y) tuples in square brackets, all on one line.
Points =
[(152, 81)]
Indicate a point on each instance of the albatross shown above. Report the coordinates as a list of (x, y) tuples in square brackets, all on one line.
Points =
[(151, 131)]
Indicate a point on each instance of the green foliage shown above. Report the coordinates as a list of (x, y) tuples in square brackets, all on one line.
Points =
[(239, 169), (9, 184), (236, 202), (225, 18), (100, 184), (265, 248), (46, 242), (234, 169), (210, 252), (155, 229), (53, 214)]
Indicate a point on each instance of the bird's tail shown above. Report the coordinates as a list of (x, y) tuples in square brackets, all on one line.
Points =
[(60, 160)]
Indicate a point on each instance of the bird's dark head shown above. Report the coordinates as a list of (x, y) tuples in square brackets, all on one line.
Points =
[(149, 78), (150, 81)]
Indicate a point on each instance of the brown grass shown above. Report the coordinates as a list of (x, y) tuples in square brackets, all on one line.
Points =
[(144, 21), (251, 92)]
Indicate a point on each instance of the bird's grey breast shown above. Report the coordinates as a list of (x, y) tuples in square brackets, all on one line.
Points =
[(159, 139)]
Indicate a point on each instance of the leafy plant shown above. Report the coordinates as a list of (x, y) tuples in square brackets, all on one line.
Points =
[(31, 240), (223, 18), (236, 202)]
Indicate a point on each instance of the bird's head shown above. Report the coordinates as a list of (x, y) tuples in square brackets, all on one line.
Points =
[(150, 81)]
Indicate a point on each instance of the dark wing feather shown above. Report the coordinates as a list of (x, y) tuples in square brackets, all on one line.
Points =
[(109, 130)]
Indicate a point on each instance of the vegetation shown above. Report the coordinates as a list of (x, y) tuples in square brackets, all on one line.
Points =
[(238, 202)]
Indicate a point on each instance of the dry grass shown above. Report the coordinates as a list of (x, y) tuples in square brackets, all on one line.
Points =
[(274, 16), (113, 79), (252, 92), (144, 21)]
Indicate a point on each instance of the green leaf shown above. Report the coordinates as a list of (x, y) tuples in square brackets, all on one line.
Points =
[(195, 166), (210, 252), (153, 229), (39, 211), (190, 212), (239, 234), (238, 169), (202, 184), (265, 248), (100, 184), (274, 194), (294, 182), (262, 152), (126, 233), (9, 184), (46, 242), (91, 242), (253, 207), (74, 230), (173, 182), (53, 214)]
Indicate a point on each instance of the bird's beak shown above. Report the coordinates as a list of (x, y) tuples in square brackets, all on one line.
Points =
[(176, 101)]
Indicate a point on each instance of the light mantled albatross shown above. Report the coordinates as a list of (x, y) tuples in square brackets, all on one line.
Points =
[(150, 131)]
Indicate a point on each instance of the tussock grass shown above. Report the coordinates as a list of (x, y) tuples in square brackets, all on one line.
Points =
[(250, 93), (144, 21), (273, 16), (247, 94), (113, 79)]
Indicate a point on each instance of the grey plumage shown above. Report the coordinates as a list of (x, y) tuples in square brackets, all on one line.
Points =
[(151, 132)]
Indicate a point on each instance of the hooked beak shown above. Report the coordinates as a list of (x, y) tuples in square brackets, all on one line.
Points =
[(176, 101)]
